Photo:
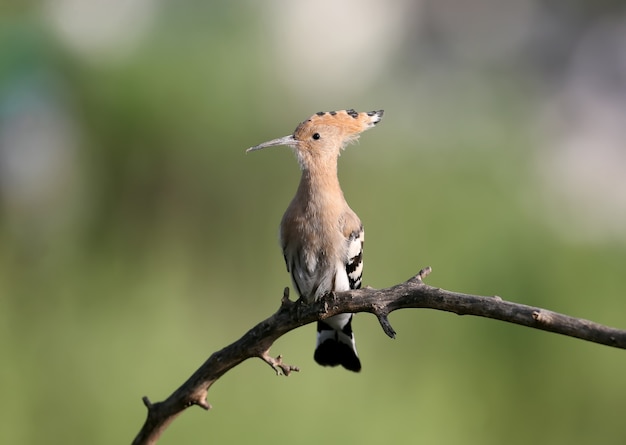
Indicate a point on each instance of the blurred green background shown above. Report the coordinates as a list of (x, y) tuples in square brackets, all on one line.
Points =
[(136, 237)]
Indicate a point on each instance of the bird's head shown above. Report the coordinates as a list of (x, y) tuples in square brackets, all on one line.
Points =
[(320, 138)]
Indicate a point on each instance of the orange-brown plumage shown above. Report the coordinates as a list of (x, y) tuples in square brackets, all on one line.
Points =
[(321, 237)]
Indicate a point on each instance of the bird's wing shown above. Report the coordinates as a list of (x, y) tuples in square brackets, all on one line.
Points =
[(354, 264)]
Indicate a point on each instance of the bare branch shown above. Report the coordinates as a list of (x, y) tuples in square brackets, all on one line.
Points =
[(410, 294), (278, 365)]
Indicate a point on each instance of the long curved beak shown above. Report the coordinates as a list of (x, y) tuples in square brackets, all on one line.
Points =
[(289, 141)]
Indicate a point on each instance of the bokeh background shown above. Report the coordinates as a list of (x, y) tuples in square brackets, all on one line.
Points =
[(136, 237)]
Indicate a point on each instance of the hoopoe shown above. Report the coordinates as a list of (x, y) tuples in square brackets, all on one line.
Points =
[(321, 237)]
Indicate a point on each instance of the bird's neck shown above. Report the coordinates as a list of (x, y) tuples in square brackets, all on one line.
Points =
[(320, 187)]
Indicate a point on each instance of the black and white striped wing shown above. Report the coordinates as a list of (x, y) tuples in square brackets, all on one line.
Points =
[(354, 266)]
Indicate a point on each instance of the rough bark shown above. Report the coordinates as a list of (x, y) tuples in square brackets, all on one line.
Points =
[(380, 302)]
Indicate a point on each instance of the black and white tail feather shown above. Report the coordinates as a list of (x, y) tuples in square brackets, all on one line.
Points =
[(335, 339)]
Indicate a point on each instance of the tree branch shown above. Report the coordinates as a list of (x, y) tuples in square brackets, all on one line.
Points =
[(410, 294)]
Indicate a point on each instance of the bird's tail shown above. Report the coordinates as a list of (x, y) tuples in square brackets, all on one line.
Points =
[(335, 343)]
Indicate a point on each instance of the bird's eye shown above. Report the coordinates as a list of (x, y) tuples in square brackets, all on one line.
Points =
[(316, 136)]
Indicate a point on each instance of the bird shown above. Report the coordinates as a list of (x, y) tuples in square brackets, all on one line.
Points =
[(320, 235)]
